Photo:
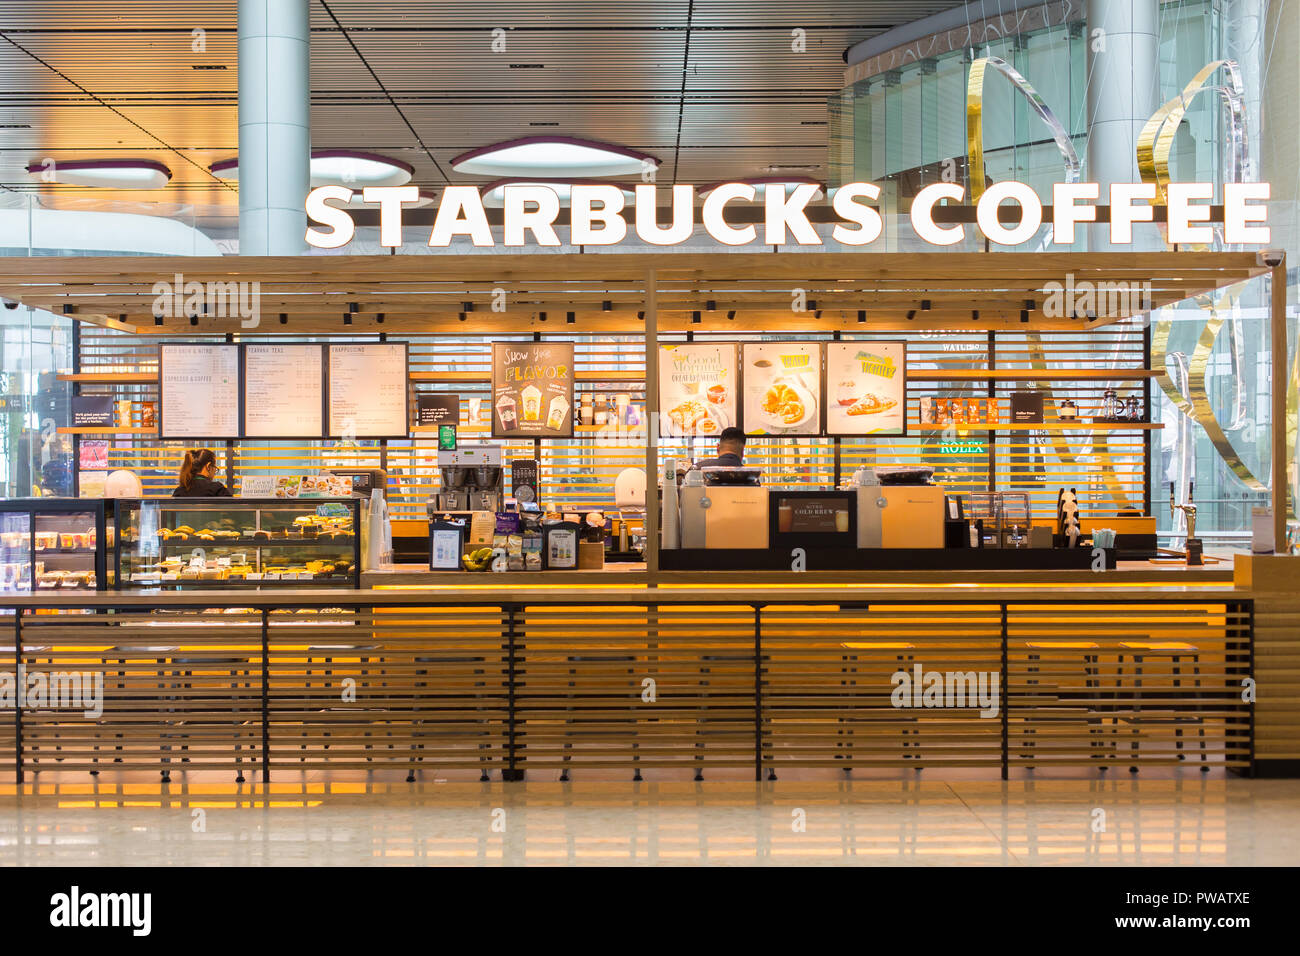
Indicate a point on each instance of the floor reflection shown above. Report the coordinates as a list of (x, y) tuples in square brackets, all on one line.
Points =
[(1183, 819)]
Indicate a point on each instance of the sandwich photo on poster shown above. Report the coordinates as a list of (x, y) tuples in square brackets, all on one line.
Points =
[(532, 390), (866, 388), (783, 386), (698, 389)]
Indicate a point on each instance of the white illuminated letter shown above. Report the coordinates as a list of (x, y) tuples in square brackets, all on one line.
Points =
[(1031, 213), (581, 215), (924, 225), (1182, 213), (460, 213), (716, 225), (781, 211), (340, 223), (390, 199), (683, 220), (866, 217), (1122, 211), (519, 218), (1236, 213), (1065, 213)]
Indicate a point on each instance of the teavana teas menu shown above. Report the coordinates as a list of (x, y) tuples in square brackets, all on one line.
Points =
[(532, 389)]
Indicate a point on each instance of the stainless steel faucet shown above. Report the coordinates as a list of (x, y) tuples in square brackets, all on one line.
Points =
[(1188, 509)]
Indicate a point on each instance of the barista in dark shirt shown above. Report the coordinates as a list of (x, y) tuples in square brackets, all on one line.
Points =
[(196, 477), (731, 450)]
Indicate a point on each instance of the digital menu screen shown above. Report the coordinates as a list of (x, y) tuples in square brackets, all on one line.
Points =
[(368, 390), (699, 389), (199, 387), (783, 387), (532, 389), (283, 391), (866, 388)]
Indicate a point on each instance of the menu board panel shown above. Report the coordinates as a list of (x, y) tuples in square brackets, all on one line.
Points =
[(699, 389), (783, 388), (368, 390), (284, 388), (866, 388), (199, 387), (532, 389)]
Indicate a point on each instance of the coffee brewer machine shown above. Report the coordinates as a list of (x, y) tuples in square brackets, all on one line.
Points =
[(471, 480)]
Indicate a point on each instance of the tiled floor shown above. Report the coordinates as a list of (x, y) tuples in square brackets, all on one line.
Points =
[(1179, 819)]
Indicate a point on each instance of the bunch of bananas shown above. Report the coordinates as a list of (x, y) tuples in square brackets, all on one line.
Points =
[(478, 560)]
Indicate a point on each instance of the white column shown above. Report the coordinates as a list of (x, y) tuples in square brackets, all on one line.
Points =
[(1123, 92), (274, 126)]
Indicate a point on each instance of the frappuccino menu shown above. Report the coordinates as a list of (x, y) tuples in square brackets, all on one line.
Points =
[(532, 390)]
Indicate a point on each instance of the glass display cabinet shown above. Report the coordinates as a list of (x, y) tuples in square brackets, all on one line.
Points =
[(54, 544), (217, 543)]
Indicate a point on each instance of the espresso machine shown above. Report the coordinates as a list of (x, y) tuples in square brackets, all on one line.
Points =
[(471, 480)]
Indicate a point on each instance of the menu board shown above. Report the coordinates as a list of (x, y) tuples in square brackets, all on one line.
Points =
[(368, 390), (698, 389), (783, 388), (283, 391), (199, 386), (866, 388), (532, 389)]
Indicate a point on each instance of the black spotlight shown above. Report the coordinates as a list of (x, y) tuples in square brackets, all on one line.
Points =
[(379, 318), (862, 315), (641, 316), (541, 316), (974, 314), (607, 306), (347, 318), (467, 306), (731, 314), (925, 305), (68, 309), (1024, 315), (461, 316), (570, 317), (695, 317), (711, 306), (812, 306), (284, 318), (911, 314), (194, 320), (157, 320)]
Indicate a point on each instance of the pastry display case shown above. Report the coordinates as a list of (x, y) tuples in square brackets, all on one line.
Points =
[(53, 544), (214, 543)]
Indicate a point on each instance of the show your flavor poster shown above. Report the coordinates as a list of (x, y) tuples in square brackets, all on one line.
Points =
[(697, 390), (532, 389), (866, 386)]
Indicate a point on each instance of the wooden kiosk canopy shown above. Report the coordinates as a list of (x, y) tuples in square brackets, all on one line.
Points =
[(641, 294)]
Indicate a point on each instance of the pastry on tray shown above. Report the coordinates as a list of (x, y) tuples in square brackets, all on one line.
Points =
[(870, 404)]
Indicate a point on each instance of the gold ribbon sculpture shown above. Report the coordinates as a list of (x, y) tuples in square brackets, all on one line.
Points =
[(978, 184), (1153, 149)]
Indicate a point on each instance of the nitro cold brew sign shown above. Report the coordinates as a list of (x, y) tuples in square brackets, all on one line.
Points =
[(597, 215)]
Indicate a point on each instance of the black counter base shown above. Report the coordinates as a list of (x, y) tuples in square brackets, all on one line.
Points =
[(883, 559)]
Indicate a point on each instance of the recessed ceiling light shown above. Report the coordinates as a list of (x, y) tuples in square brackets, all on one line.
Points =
[(110, 173), (551, 157), (760, 185), (494, 193), (338, 167)]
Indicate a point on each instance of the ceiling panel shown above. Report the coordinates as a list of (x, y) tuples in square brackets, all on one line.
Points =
[(710, 87)]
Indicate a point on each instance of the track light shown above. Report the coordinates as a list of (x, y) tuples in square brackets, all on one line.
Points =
[(607, 306), (862, 315), (461, 316), (157, 320), (1024, 315), (812, 305), (641, 316), (379, 319), (974, 314), (541, 316), (284, 318), (817, 314), (570, 317), (467, 306), (911, 314), (347, 318), (731, 314), (194, 320), (695, 317), (925, 305), (711, 306)]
